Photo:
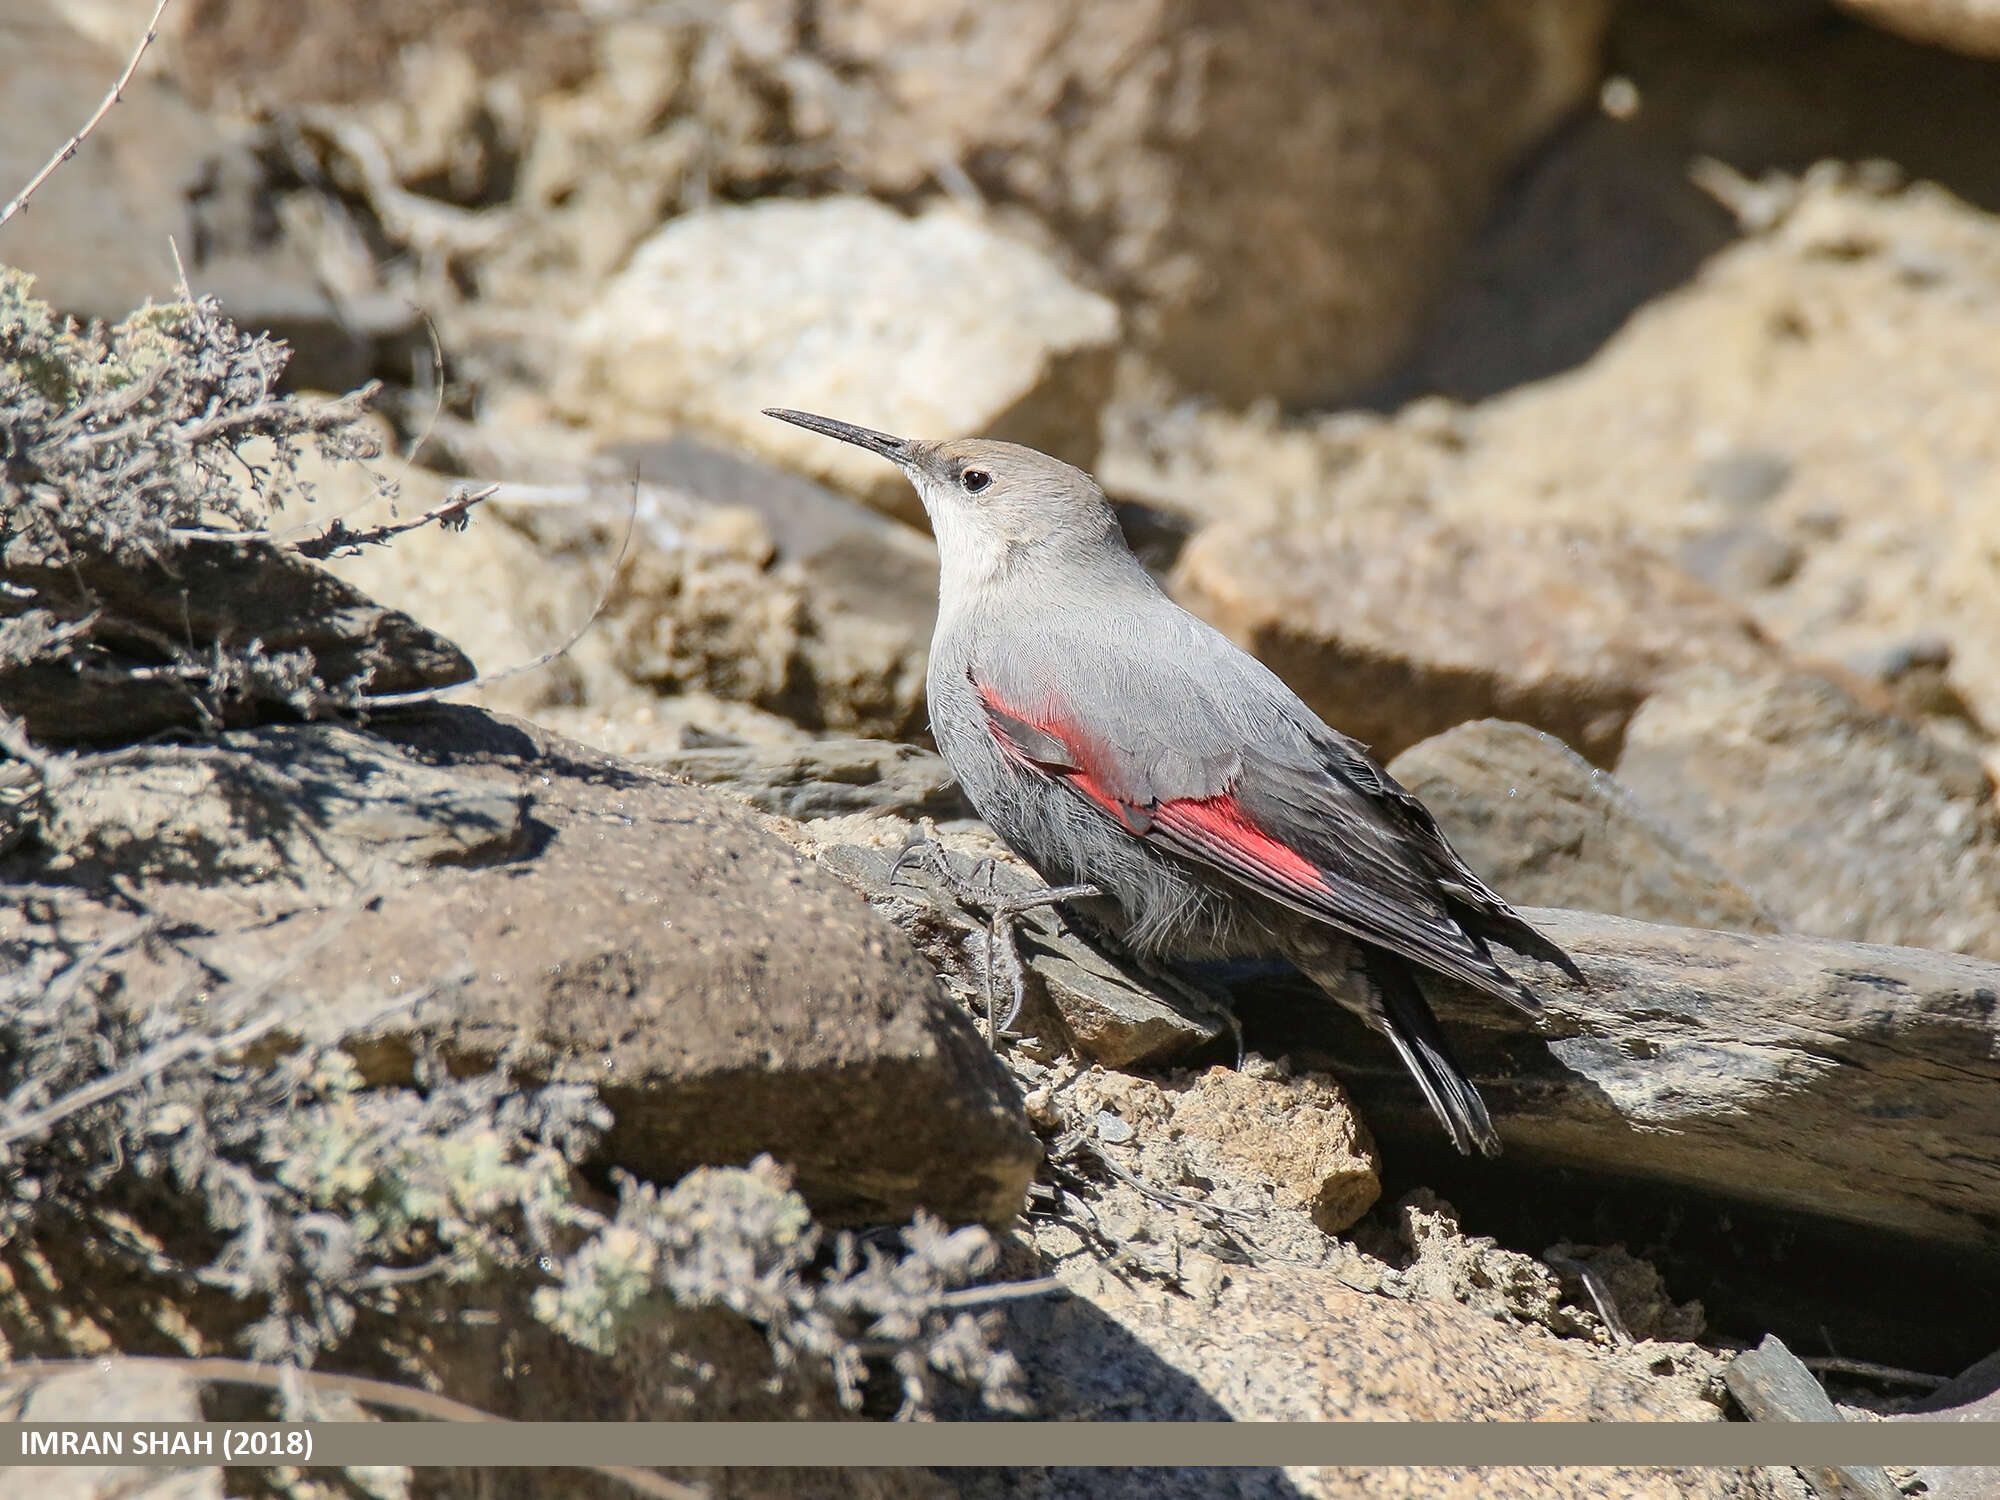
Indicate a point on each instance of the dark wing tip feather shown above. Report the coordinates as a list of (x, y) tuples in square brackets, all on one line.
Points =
[(1510, 931), (1483, 914)]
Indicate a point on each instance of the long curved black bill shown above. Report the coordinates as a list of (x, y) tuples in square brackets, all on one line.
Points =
[(892, 448)]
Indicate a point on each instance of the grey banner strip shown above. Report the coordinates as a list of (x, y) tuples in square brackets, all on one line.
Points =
[(1005, 1444)]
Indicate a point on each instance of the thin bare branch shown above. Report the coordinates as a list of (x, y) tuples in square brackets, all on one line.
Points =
[(20, 200), (380, 1393), (452, 515), (431, 695), (1002, 1291), (1833, 1364)]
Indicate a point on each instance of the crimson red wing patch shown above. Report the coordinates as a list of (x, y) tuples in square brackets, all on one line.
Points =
[(1220, 829), (1057, 749)]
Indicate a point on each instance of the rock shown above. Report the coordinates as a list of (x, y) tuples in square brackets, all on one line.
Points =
[(1097, 1004), (1772, 1386), (308, 807), (1269, 1343), (826, 778), (708, 631), (112, 1390), (1395, 627), (1607, 216), (1845, 822), (1969, 26), (1298, 1344), (1781, 358), (870, 583), (646, 937), (1848, 1082), (1974, 1396), (1298, 1133), (213, 592), (1960, 1482), (804, 519), (1542, 825), (1211, 166), (1447, 1265), (935, 326)]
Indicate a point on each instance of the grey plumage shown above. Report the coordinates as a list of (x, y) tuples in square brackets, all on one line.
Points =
[(1113, 739)]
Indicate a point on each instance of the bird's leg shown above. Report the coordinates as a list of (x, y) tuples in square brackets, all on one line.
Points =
[(980, 892)]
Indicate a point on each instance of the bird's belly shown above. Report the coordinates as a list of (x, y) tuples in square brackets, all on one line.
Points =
[(1155, 903)]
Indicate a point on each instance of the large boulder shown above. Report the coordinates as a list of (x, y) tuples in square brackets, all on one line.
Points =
[(1803, 424), (1546, 828), (1844, 821), (612, 926), (1278, 189), (932, 326), (1855, 1084), (1394, 625)]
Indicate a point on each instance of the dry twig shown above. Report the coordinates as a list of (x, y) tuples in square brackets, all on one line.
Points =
[(20, 199), (429, 695)]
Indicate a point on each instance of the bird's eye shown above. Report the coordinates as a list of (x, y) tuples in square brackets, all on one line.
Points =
[(975, 480)]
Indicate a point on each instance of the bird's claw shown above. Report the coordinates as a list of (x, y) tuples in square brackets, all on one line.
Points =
[(981, 892)]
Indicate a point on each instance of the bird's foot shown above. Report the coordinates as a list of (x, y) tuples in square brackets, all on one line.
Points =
[(1002, 909)]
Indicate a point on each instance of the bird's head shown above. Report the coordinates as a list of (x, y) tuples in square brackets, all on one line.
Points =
[(987, 500)]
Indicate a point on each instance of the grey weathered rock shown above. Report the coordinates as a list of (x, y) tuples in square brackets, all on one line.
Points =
[(1396, 626), (111, 1390), (804, 518), (1102, 1006), (1972, 1396), (1772, 1386), (1850, 1082), (1541, 824), (869, 583), (825, 778), (312, 808), (927, 327), (1846, 822), (615, 926)]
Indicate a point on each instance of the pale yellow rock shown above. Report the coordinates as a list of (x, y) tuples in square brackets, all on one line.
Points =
[(935, 326)]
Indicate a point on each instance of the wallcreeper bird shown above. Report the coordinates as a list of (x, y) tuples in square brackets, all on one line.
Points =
[(1166, 783)]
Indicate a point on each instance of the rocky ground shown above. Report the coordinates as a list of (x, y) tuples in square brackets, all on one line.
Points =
[(1587, 405)]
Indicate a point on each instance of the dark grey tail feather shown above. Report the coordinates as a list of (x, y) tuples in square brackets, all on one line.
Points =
[(1413, 1030)]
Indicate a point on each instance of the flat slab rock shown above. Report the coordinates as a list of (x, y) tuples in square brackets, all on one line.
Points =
[(210, 594), (1843, 1080), (624, 929), (828, 778), (1099, 1004)]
